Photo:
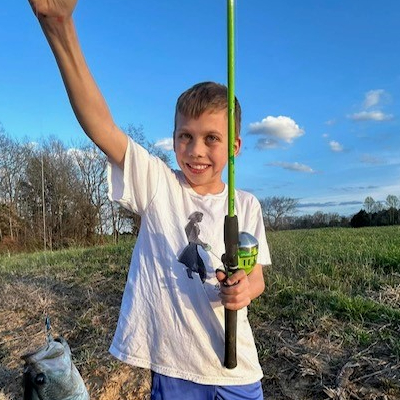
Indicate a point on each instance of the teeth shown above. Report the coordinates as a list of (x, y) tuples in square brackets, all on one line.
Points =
[(199, 167)]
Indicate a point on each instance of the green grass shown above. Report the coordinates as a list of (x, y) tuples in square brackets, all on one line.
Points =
[(343, 274), (332, 295), (79, 261)]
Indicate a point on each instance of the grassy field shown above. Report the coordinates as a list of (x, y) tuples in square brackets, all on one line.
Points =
[(327, 325)]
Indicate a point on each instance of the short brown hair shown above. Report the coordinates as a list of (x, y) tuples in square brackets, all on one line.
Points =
[(206, 96)]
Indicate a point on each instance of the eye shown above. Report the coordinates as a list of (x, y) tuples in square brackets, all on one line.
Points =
[(40, 379), (212, 139), (184, 137)]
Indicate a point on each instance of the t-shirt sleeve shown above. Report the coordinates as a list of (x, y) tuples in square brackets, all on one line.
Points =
[(264, 256), (134, 186)]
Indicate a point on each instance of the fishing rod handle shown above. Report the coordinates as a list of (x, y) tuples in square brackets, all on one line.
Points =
[(230, 360), (231, 239)]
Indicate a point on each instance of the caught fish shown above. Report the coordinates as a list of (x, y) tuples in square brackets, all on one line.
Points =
[(50, 374)]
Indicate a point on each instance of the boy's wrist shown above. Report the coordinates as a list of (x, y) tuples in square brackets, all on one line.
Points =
[(59, 31), (53, 23)]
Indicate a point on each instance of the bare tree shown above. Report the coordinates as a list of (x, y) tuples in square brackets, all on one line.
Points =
[(320, 219), (275, 209), (369, 204), (392, 202), (11, 167), (92, 165), (57, 205)]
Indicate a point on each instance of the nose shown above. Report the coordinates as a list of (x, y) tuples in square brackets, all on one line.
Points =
[(197, 148)]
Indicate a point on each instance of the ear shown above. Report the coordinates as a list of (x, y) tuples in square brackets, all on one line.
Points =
[(237, 145)]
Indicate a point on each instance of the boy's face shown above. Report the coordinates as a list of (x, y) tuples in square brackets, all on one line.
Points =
[(201, 148)]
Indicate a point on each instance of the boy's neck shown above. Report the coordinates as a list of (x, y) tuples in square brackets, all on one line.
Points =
[(206, 189)]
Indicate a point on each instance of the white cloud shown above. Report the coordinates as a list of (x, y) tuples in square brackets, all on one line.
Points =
[(292, 166), (372, 107), (335, 146), (325, 135), (165, 144), (371, 116), (277, 128), (372, 98)]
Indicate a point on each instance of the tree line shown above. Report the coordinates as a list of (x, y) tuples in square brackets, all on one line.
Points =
[(53, 197), (378, 213), (279, 213)]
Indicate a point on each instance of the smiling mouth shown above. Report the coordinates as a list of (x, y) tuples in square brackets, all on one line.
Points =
[(197, 168)]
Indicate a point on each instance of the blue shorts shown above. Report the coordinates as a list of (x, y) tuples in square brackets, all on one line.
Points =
[(166, 388)]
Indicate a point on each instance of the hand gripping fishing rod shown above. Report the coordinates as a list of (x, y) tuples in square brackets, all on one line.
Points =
[(231, 231)]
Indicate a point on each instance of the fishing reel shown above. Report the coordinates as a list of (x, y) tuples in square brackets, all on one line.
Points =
[(247, 251)]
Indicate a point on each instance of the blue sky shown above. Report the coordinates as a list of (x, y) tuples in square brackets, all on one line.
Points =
[(318, 81)]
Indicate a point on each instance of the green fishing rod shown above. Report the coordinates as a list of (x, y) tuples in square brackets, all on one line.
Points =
[(231, 231)]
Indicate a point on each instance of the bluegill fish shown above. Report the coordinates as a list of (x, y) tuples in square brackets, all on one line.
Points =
[(50, 374)]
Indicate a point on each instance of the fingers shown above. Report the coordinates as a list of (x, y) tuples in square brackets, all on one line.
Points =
[(221, 275), (234, 291), (235, 278)]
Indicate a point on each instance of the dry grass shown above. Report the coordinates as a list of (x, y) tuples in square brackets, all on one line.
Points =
[(315, 365), (84, 314)]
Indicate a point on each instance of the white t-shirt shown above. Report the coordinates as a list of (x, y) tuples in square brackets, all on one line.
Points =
[(171, 318)]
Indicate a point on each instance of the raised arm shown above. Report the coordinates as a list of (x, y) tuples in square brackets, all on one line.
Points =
[(90, 108)]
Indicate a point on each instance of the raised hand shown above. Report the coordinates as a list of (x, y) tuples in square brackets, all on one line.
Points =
[(53, 8)]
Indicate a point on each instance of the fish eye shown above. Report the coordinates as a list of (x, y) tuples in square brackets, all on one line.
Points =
[(40, 379)]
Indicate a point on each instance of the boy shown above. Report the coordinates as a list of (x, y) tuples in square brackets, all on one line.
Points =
[(172, 312)]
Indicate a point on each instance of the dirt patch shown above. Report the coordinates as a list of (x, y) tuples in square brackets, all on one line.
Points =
[(116, 388)]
